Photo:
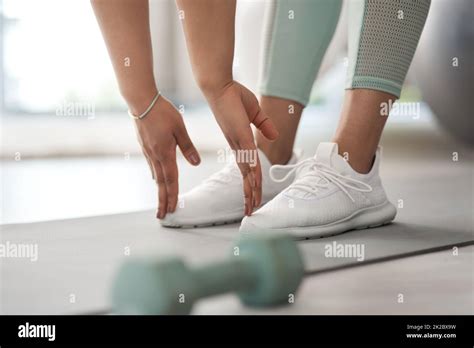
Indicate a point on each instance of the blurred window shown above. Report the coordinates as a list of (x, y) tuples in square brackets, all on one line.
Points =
[(53, 55)]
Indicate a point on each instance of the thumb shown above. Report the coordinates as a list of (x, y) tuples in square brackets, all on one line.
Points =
[(265, 125), (257, 116), (187, 147)]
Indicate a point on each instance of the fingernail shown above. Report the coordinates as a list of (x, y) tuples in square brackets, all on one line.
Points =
[(194, 158)]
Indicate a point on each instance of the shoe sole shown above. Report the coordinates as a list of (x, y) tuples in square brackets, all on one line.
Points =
[(224, 221), (200, 225), (372, 217)]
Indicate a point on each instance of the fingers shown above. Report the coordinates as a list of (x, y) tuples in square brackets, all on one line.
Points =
[(186, 146), (150, 165), (248, 194), (252, 183), (257, 173), (248, 181), (166, 177), (162, 193), (170, 173), (249, 165)]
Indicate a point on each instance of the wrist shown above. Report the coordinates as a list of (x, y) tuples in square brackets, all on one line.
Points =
[(138, 100), (214, 88)]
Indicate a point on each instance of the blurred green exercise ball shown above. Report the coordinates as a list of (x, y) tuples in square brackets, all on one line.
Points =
[(444, 66)]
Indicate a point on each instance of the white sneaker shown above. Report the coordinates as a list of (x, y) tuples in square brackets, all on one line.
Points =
[(328, 197), (219, 199)]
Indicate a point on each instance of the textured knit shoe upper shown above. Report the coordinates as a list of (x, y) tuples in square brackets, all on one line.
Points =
[(326, 191), (219, 199)]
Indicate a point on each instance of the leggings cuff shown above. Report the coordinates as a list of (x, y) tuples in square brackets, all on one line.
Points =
[(284, 94), (368, 82)]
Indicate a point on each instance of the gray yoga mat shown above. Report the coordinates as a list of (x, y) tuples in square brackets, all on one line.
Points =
[(393, 241), (78, 258)]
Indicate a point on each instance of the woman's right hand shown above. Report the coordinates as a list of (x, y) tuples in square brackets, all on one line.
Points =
[(159, 132), (235, 108)]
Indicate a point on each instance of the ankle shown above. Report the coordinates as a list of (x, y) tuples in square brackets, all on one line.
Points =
[(276, 155), (360, 159), (361, 165)]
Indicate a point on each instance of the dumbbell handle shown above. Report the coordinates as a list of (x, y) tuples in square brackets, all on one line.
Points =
[(227, 276)]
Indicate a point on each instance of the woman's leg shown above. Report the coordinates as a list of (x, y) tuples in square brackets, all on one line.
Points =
[(333, 195), (383, 36), (297, 34), (360, 126)]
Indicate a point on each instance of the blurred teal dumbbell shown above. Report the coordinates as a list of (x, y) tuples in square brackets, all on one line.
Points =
[(264, 270)]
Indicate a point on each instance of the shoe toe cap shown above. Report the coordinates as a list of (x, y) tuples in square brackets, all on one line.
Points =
[(258, 222), (247, 226), (171, 220)]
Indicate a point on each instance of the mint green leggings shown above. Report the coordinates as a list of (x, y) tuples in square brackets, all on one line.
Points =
[(383, 35)]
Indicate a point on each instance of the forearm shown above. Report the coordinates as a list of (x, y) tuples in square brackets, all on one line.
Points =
[(125, 28), (209, 31)]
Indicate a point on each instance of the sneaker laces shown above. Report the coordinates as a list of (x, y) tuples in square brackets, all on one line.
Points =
[(319, 175)]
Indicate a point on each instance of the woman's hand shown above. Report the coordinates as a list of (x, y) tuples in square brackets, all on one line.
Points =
[(235, 108), (209, 27), (126, 29), (158, 133)]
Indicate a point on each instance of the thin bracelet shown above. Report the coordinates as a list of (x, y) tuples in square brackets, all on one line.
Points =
[(139, 117)]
